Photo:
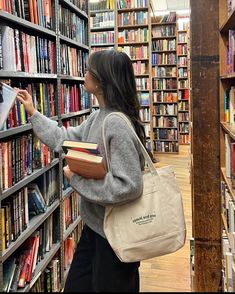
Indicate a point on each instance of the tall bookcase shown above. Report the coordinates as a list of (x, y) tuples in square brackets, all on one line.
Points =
[(227, 86), (134, 37), (47, 50), (102, 29), (164, 83), (183, 55)]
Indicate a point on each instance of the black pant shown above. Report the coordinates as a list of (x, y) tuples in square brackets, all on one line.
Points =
[(96, 268)]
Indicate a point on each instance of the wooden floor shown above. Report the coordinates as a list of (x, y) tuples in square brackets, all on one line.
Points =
[(171, 273)]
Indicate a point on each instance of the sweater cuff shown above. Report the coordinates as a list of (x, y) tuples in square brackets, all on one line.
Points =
[(35, 117)]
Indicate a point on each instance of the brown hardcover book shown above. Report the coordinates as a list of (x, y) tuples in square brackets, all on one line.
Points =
[(86, 165), (88, 147)]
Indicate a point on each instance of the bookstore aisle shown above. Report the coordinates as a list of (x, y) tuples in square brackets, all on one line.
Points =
[(171, 273)]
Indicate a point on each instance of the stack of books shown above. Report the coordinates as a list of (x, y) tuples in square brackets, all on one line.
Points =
[(83, 158)]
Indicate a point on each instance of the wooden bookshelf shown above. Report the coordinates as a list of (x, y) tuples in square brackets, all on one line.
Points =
[(165, 84), (183, 47)]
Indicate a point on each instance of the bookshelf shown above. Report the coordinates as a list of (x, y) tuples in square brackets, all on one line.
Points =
[(50, 47), (133, 37), (102, 30), (183, 55), (227, 136), (165, 83)]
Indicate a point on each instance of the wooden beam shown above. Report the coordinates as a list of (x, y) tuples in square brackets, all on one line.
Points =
[(206, 144)]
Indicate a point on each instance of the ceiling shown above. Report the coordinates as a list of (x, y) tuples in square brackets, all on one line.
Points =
[(170, 5)]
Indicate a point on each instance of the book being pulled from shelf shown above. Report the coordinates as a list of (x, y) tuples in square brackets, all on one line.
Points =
[(7, 99), (87, 165)]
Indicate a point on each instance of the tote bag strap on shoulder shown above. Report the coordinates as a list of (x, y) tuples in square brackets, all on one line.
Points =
[(144, 152)]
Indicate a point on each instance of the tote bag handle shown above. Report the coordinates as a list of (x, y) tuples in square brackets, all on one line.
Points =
[(144, 152)]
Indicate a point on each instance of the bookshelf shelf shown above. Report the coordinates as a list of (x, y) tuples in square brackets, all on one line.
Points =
[(103, 45), (72, 114), (132, 43), (228, 129), (228, 23), (11, 74), (10, 18), (72, 78), (163, 37), (227, 76), (132, 9), (71, 228), (228, 182), (71, 42), (41, 267), (163, 23), (102, 29), (14, 131), (132, 27), (93, 12), (28, 179), (67, 192), (33, 225)]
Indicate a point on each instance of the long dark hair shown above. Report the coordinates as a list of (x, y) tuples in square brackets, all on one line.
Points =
[(114, 72)]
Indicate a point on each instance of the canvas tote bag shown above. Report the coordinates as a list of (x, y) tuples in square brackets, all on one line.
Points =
[(152, 225)]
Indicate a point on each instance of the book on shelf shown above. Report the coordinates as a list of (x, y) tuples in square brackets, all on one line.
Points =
[(8, 273), (7, 100), (87, 165), (88, 147)]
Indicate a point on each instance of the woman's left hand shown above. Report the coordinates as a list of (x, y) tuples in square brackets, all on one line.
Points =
[(68, 173)]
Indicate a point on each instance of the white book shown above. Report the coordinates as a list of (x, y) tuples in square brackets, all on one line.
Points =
[(8, 95)]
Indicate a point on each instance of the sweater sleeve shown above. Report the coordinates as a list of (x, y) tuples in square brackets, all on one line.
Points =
[(125, 181), (53, 136)]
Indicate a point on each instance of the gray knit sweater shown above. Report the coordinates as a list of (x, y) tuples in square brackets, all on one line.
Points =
[(120, 185)]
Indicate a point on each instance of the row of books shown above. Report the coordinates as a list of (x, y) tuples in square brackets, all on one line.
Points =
[(82, 4), (20, 156), (70, 245), (135, 52), (102, 38), (164, 58), (165, 97), (163, 31), (132, 18), (164, 84), (166, 134), (182, 38), (230, 52), (140, 67), (183, 24), (184, 138), (182, 61), (72, 26), (183, 84), (132, 4), (102, 5), (165, 109), (164, 122), (164, 45), (142, 83), (70, 209), (50, 278), (137, 35), (230, 159), (23, 52), (29, 254), (145, 114), (102, 20), (229, 104), (183, 117), (183, 106), (182, 49), (162, 71), (160, 146), (183, 127), (182, 72), (171, 17), (73, 61), (144, 98), (39, 12), (183, 94)]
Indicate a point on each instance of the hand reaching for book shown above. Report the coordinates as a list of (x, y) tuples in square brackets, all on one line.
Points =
[(26, 99)]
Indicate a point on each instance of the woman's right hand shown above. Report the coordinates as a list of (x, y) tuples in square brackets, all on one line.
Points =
[(26, 99)]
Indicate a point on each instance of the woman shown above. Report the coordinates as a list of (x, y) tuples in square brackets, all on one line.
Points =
[(110, 77)]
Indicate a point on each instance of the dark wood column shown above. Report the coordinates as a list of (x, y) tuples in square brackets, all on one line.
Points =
[(206, 144)]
